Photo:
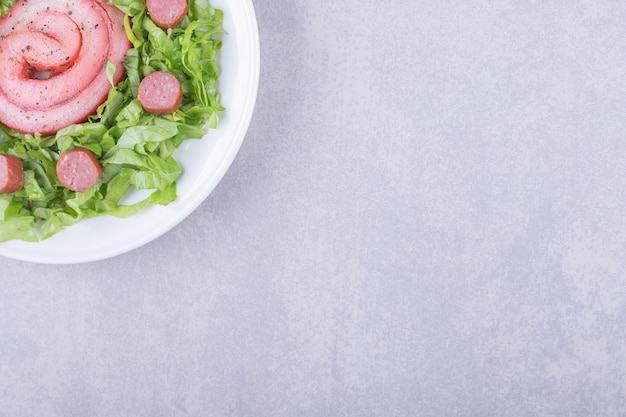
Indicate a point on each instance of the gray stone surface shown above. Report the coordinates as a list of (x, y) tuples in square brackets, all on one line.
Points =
[(427, 218)]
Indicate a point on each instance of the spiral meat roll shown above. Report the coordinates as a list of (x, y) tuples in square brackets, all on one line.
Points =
[(53, 58)]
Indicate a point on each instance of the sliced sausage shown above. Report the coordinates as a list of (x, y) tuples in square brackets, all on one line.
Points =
[(167, 13), (11, 174), (160, 93), (78, 169)]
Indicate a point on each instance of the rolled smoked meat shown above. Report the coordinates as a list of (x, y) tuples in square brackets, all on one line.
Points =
[(53, 59), (78, 169), (160, 93), (167, 13), (11, 174)]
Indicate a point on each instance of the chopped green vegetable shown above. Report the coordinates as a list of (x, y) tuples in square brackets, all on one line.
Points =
[(134, 147)]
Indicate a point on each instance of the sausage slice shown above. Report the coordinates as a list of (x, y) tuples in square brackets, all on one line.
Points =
[(11, 174), (160, 93), (78, 169), (167, 13)]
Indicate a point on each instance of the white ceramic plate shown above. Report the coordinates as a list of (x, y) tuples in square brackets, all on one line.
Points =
[(204, 161)]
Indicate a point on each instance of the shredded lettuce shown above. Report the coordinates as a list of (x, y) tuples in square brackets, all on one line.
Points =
[(134, 147)]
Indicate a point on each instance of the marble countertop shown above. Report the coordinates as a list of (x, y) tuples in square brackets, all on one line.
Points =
[(426, 218)]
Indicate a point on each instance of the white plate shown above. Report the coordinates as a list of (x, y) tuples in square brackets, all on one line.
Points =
[(204, 161)]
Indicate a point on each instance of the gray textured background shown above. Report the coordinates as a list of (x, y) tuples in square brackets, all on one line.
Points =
[(426, 219)]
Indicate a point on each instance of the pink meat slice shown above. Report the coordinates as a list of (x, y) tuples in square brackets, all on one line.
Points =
[(167, 13), (160, 93), (31, 103), (78, 169), (11, 174)]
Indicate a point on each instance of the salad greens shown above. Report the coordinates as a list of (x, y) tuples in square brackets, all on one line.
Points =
[(134, 147)]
